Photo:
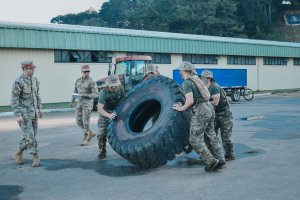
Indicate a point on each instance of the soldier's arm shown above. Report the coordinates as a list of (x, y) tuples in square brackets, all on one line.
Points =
[(215, 95), (100, 109), (15, 99), (215, 99), (38, 97), (94, 90), (75, 91)]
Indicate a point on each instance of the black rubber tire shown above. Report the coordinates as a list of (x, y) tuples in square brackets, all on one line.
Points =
[(248, 94), (165, 138), (235, 95)]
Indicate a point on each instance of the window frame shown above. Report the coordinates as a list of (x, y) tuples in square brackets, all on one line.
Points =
[(277, 61), (296, 61), (79, 56), (241, 60), (201, 59)]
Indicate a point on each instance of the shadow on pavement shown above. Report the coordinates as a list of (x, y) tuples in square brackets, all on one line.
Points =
[(112, 167), (192, 160), (121, 167), (10, 192)]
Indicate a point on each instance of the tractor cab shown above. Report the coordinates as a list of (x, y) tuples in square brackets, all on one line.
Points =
[(131, 70)]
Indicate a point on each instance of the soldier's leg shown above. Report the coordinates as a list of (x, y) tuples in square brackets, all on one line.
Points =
[(102, 125), (217, 125), (86, 115), (213, 140), (36, 158), (226, 125), (196, 140), (28, 142), (79, 120), (78, 113)]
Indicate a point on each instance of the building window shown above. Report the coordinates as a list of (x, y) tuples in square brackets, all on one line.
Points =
[(200, 59), (157, 58), (66, 56), (275, 61), (296, 61), (241, 60)]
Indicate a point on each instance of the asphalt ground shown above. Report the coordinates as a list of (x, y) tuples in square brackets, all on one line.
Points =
[(267, 149)]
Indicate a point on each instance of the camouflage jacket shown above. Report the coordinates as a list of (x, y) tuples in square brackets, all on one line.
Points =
[(25, 97), (87, 90)]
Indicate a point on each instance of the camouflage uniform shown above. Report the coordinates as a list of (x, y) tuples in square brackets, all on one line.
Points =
[(87, 90), (25, 102), (110, 100), (202, 124), (224, 119)]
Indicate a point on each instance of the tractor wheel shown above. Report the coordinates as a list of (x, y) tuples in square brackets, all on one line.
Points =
[(147, 131)]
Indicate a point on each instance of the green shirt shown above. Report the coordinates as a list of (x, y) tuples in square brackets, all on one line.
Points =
[(189, 86), (109, 99), (214, 89)]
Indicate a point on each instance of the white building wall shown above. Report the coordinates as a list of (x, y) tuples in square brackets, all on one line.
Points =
[(279, 76), (57, 79)]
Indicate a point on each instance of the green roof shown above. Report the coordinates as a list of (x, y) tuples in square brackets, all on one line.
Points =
[(58, 36)]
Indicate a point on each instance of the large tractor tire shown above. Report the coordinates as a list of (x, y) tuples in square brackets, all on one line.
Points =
[(147, 131)]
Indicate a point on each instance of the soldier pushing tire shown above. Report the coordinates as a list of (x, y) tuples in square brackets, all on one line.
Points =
[(147, 131)]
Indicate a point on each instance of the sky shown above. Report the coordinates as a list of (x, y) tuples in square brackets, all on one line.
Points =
[(42, 11)]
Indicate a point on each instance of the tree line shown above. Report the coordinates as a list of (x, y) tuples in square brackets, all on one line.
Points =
[(228, 18)]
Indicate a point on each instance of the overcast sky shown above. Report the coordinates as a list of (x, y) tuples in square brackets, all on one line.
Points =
[(41, 11)]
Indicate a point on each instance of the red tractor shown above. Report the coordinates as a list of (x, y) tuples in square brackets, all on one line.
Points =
[(131, 70), (147, 131)]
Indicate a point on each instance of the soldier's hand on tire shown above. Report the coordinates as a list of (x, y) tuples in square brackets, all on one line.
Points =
[(20, 120), (112, 116), (177, 106)]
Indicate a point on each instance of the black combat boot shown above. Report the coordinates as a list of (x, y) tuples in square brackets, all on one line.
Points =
[(210, 167)]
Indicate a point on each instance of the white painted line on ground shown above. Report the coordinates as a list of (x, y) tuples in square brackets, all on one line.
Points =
[(9, 114)]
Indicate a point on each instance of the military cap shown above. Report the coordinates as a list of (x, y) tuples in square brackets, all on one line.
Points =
[(85, 67), (112, 80), (208, 74), (186, 66), (27, 63)]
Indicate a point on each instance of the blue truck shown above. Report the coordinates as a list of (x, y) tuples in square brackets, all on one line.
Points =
[(233, 81)]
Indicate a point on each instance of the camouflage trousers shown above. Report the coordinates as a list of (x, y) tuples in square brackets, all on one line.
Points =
[(202, 124), (83, 115), (103, 123), (224, 123), (29, 128)]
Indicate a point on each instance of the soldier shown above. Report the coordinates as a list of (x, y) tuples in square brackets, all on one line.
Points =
[(26, 105), (223, 121), (202, 122), (151, 71), (86, 88), (109, 98)]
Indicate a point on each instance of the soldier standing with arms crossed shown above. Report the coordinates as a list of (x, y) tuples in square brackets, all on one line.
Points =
[(86, 88), (202, 122), (109, 97), (224, 118), (26, 105)]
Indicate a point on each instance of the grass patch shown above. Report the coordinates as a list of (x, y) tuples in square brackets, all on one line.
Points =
[(45, 106)]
